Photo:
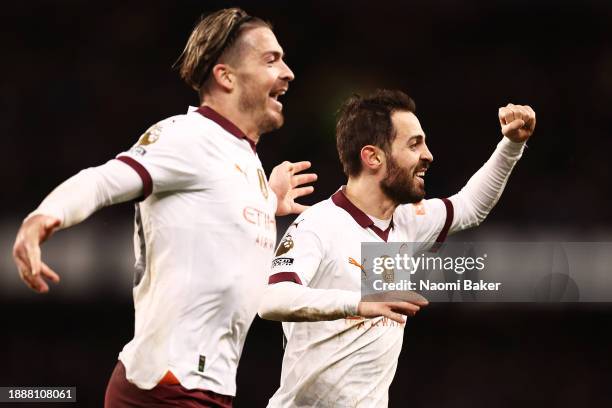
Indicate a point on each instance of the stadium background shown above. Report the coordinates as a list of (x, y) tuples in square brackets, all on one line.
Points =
[(81, 81)]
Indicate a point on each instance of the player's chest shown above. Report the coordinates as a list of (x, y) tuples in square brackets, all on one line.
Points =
[(347, 263), (235, 176), (237, 196), (344, 265)]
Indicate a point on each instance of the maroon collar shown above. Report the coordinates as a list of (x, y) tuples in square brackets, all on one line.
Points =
[(342, 201), (220, 120)]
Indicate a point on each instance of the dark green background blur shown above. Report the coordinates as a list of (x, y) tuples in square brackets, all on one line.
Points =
[(80, 81)]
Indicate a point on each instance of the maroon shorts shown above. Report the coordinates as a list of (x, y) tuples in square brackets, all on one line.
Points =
[(120, 393)]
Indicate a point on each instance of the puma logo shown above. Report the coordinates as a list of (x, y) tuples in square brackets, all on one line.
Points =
[(357, 264), (237, 167)]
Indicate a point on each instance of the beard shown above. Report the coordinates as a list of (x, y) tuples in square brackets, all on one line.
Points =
[(256, 104), (399, 185)]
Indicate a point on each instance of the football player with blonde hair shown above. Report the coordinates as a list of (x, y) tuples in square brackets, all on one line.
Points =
[(203, 198)]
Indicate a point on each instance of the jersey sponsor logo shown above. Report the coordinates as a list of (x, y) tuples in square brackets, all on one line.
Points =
[(265, 223), (150, 136), (419, 208), (263, 186), (265, 242), (282, 262), (285, 245), (260, 218), (359, 322)]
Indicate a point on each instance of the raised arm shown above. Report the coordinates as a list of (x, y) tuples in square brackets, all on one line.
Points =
[(474, 202)]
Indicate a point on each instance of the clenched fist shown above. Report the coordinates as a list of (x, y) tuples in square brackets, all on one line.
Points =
[(517, 122)]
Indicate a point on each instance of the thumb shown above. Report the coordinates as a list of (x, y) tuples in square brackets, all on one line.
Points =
[(514, 125)]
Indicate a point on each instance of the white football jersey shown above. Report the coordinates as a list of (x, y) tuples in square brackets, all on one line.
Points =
[(348, 362), (204, 238)]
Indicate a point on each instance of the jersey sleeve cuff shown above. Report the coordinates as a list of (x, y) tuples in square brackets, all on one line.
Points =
[(143, 173), (511, 149), (284, 277), (450, 215)]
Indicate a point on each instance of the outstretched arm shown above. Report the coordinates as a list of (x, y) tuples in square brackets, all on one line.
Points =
[(70, 203), (474, 202), (292, 302)]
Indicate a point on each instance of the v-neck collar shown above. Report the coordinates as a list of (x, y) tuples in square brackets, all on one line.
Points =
[(225, 123), (342, 201)]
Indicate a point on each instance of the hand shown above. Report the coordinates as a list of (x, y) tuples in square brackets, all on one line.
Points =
[(392, 304), (285, 183), (26, 252), (517, 122)]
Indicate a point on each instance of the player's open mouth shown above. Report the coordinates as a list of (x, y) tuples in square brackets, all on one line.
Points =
[(274, 97), (420, 175)]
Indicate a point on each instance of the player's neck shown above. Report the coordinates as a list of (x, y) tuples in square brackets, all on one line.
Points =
[(231, 112), (368, 197)]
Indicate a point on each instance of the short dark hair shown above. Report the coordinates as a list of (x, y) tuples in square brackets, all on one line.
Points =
[(213, 36), (367, 121)]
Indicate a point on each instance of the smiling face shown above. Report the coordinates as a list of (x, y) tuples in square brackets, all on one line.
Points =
[(409, 159), (261, 77)]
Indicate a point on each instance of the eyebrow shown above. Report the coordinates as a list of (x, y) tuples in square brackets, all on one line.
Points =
[(419, 136), (275, 54)]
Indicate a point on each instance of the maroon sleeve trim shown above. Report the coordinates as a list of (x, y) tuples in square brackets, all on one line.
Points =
[(147, 182), (284, 277), (450, 213)]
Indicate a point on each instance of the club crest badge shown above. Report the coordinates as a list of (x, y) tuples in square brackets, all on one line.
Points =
[(388, 274)]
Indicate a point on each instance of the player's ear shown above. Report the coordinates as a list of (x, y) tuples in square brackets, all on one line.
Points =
[(372, 157), (224, 77)]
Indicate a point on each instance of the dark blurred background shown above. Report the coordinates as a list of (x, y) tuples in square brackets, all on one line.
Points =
[(80, 81)]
